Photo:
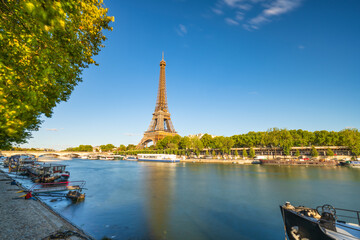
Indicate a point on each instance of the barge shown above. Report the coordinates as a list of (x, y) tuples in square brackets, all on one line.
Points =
[(158, 158), (299, 162)]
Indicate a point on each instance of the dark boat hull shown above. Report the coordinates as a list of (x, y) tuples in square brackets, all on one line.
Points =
[(299, 163), (302, 227)]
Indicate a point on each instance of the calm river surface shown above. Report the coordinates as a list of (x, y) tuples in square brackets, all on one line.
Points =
[(136, 200)]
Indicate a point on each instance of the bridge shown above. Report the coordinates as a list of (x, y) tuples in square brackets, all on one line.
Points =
[(53, 153)]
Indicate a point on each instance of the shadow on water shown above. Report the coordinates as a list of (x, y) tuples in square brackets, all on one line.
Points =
[(133, 200)]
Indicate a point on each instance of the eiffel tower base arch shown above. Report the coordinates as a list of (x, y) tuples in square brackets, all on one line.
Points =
[(154, 137)]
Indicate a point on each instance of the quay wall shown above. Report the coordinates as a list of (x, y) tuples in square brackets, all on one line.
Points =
[(30, 219)]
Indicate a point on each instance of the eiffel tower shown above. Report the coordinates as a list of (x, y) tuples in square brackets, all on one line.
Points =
[(161, 125)]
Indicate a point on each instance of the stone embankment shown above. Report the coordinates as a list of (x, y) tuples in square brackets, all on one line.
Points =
[(31, 219)]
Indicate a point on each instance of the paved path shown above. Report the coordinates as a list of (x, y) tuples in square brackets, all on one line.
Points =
[(29, 219)]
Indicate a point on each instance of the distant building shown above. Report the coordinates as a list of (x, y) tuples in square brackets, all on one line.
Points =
[(97, 149)]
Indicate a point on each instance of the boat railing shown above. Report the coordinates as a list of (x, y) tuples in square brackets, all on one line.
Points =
[(345, 214), (354, 212)]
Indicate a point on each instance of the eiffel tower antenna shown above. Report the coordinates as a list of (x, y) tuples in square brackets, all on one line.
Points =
[(163, 55)]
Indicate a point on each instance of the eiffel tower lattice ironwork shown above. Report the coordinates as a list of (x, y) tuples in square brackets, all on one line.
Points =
[(161, 125)]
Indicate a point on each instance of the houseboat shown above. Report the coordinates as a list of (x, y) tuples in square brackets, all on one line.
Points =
[(158, 158), (322, 223), (93, 157), (48, 173)]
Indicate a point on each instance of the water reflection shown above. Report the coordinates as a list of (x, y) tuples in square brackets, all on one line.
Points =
[(158, 179)]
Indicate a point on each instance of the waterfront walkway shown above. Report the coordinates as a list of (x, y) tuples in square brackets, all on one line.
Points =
[(30, 219)]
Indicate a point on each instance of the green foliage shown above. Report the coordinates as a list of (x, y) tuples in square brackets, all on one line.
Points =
[(236, 153), (251, 153), (122, 148), (244, 153), (130, 147), (314, 152), (351, 138), (213, 153), (297, 153), (81, 148), (44, 45), (206, 140), (329, 152), (206, 153), (107, 147)]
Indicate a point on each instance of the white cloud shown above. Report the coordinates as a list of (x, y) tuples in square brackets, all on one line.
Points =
[(181, 30), (232, 3), (262, 11), (275, 8), (301, 47), (217, 11), (231, 21)]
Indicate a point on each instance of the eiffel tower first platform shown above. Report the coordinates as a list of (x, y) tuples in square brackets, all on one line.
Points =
[(161, 125)]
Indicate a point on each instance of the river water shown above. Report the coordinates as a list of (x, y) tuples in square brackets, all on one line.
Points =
[(139, 200)]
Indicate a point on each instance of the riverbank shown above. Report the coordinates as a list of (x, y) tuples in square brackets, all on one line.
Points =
[(30, 219)]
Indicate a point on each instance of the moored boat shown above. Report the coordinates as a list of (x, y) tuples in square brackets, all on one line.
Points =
[(158, 158), (321, 223), (300, 162), (48, 172), (355, 164)]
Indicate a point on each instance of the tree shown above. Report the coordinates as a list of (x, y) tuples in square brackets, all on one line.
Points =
[(251, 153), (314, 152), (236, 153), (206, 140), (244, 153), (185, 143), (213, 153), (45, 45), (351, 138), (297, 153), (329, 152), (130, 147), (107, 147), (122, 148)]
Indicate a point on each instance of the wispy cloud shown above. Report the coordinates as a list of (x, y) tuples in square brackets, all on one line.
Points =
[(254, 13), (301, 47), (181, 30), (231, 21)]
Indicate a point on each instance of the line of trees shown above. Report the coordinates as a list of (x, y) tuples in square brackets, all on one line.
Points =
[(273, 138), (81, 148)]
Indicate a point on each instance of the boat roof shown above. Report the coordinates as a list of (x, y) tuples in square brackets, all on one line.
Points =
[(53, 165)]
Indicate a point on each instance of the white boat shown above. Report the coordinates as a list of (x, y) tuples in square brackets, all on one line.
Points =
[(109, 158), (93, 157), (84, 157), (158, 158), (131, 158)]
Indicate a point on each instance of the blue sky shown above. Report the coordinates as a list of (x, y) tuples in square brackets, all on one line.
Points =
[(233, 66)]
